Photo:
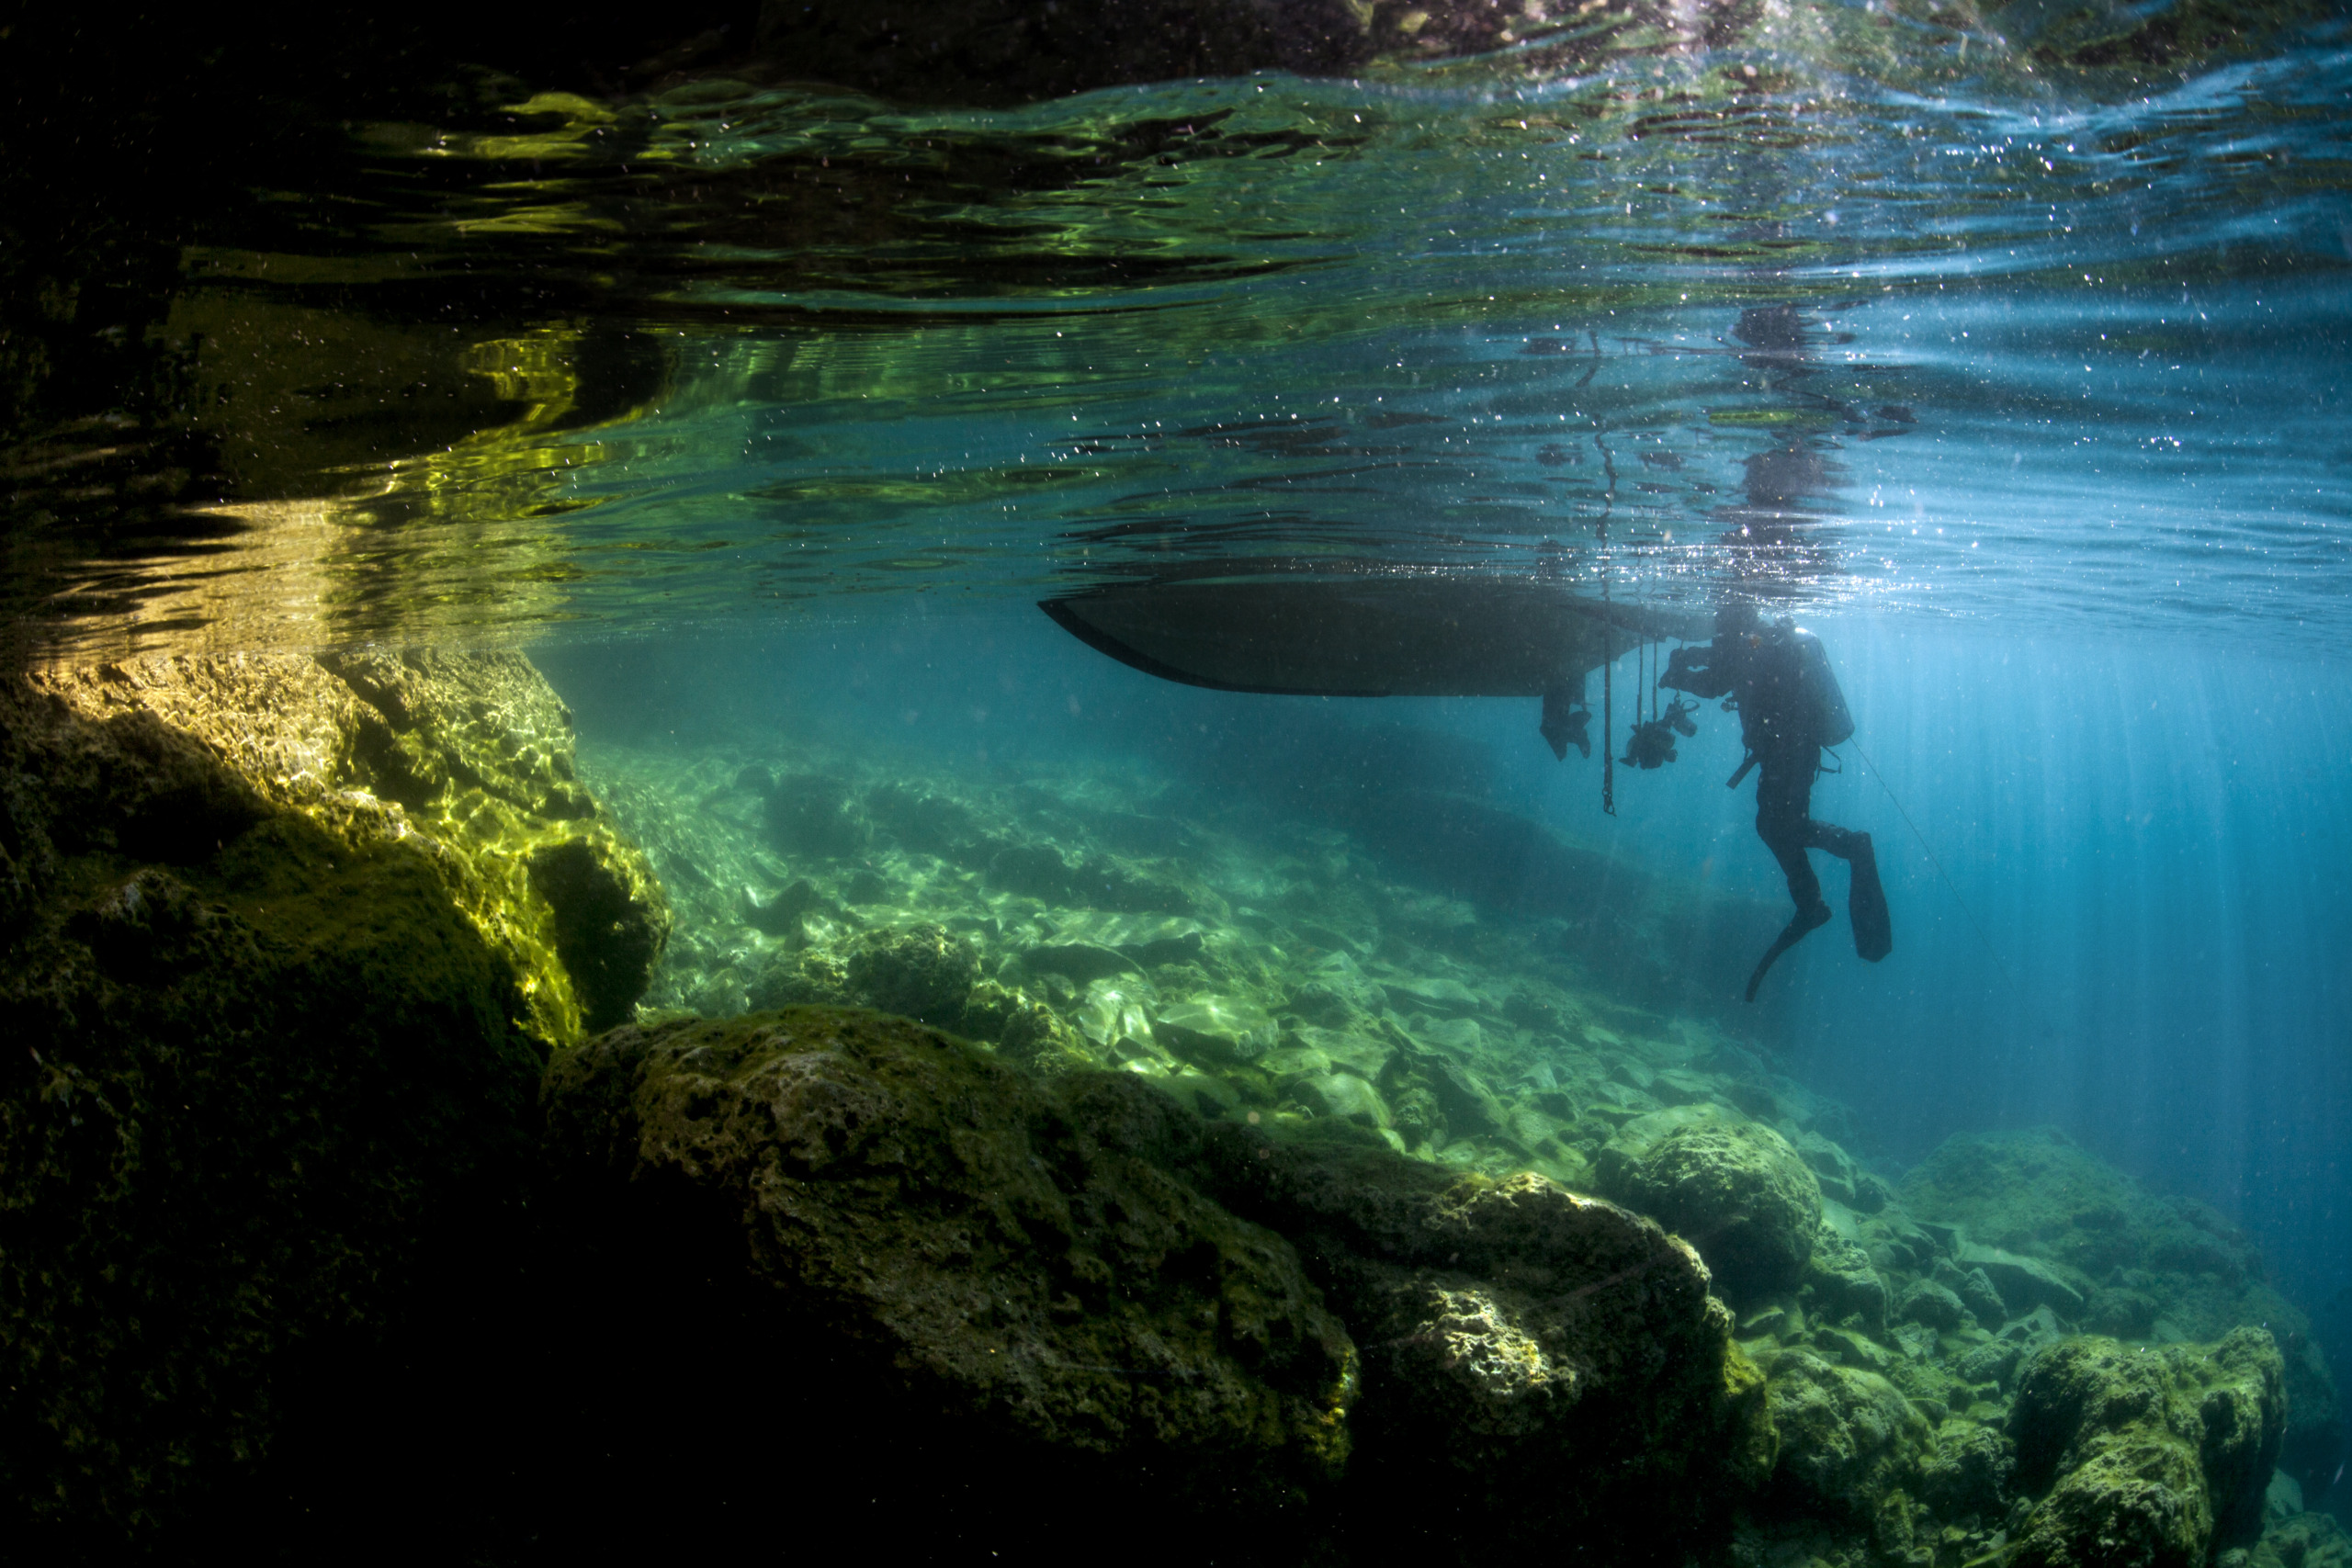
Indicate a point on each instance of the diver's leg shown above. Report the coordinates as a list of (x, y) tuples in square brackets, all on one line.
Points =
[(1783, 792)]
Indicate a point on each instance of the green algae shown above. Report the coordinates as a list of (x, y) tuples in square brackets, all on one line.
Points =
[(467, 759), (272, 1082), (2155, 1457), (991, 1261)]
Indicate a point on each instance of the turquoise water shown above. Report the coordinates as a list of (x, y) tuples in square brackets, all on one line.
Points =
[(772, 411)]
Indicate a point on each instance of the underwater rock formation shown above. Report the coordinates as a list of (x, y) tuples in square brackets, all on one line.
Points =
[(1085, 1281), (1557, 1360), (1433, 1062), (1848, 1437), (1735, 1189), (947, 1236), (466, 756), (272, 1052), (2151, 1457), (2049, 1224)]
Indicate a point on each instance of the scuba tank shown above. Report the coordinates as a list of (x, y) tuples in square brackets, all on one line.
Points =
[(1818, 698)]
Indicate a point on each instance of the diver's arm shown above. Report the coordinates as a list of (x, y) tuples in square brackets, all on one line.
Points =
[(1694, 669)]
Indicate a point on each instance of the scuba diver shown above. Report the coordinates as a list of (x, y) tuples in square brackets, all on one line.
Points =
[(1790, 708)]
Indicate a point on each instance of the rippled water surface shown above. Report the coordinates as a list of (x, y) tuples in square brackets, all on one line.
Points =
[(1841, 310)]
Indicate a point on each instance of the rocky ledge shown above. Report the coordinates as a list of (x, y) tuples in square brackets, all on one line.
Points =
[(289, 941), (1314, 1347)]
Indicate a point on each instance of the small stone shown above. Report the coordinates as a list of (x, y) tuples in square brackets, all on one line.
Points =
[(1975, 1290), (1219, 1029), (2023, 1282), (1366, 1055), (1293, 1062), (1343, 1096), (1932, 1305), (1460, 1035), (1432, 993), (1112, 1010), (1078, 961)]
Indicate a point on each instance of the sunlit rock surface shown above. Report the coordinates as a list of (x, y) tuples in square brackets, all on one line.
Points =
[(1081, 1279), (467, 757), (952, 1238), (2149, 1457), (288, 941)]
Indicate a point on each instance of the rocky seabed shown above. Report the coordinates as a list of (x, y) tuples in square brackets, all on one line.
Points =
[(418, 1136)]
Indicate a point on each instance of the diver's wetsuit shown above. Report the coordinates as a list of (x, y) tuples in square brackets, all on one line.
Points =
[(1763, 667)]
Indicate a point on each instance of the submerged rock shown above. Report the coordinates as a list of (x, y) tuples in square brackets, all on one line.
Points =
[(470, 757), (1557, 1360), (1735, 1189), (2153, 1457), (811, 815), (922, 971), (280, 981), (940, 1234), (2049, 1225), (1215, 1030), (1848, 1437)]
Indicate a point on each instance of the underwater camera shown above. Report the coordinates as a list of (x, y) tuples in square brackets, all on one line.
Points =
[(1651, 744)]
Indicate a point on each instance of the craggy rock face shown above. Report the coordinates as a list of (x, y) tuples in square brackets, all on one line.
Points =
[(1515, 1334), (1735, 1190), (944, 1234), (1080, 1280), (266, 1077), (1848, 1437), (2152, 1457), (2047, 1222), (466, 756)]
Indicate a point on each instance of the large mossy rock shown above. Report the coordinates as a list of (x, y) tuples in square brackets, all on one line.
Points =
[(1735, 1189), (1848, 1437), (1539, 1365), (935, 1240), (2052, 1224), (2151, 1458), (1076, 1289), (466, 756), (269, 1078)]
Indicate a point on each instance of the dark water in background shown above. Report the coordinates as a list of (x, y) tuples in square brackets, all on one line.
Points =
[(2025, 388)]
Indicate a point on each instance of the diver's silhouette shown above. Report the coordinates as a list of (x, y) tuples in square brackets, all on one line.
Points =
[(1790, 708)]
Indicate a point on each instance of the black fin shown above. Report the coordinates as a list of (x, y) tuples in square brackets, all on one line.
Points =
[(1866, 905), (1800, 925)]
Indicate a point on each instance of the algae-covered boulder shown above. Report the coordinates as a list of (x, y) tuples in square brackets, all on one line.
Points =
[(2049, 1224), (1967, 1474), (922, 971), (269, 1078), (1539, 1365), (2149, 1456), (1848, 1437), (1735, 1189), (470, 756), (2303, 1540), (935, 1235)]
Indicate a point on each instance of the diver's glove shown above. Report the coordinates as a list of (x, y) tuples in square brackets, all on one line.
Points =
[(1679, 673)]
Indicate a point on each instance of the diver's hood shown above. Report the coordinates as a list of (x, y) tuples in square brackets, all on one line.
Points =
[(1372, 637)]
